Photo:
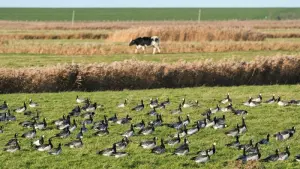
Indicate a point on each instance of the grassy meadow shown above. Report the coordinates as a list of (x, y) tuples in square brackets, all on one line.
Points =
[(121, 14), (261, 120)]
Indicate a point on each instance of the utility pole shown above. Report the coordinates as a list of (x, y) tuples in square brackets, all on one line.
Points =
[(199, 15), (73, 17)]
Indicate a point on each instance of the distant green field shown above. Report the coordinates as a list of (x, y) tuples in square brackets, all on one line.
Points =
[(113, 14)]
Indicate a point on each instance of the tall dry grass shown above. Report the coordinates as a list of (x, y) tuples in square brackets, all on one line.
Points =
[(187, 33), (132, 74), (53, 36), (167, 47), (259, 24)]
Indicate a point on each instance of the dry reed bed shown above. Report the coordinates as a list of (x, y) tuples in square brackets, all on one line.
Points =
[(54, 36), (131, 74), (167, 47), (259, 24), (282, 35), (187, 33)]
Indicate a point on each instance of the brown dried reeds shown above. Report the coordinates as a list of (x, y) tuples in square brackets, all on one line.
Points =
[(166, 47), (115, 25), (54, 36), (132, 74), (187, 33)]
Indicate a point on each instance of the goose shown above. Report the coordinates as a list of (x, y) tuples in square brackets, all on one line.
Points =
[(41, 125), (147, 130), (21, 109), (28, 113), (121, 145), (153, 103), (215, 110), (64, 124), (186, 105), (56, 151), (152, 112), (100, 126), (246, 146), (177, 111), (161, 106), (140, 125), (107, 151), (226, 100), (10, 117), (250, 157), (251, 102), (167, 102), (33, 104), (139, 107), (282, 103), (243, 127), (159, 149), (247, 103), (1, 129), (118, 154), (187, 120), (45, 147), (253, 149), (219, 123), (64, 133), (125, 120), (234, 144), (182, 132), (81, 100), (121, 105), (86, 105), (176, 125), (284, 155), (129, 133), (83, 128), (37, 116), (271, 100), (87, 115), (297, 158), (74, 126), (202, 158), (75, 112), (193, 130), (13, 149), (149, 144), (157, 122), (113, 119), (209, 123), (227, 108), (39, 142), (220, 120), (27, 124), (210, 151), (258, 99), (3, 116), (239, 112), (4, 106), (265, 140), (13, 141), (174, 141), (102, 132), (234, 132), (273, 157), (182, 149), (285, 134), (59, 121), (91, 108), (80, 134), (88, 121), (294, 102), (207, 112), (30, 134), (75, 144)]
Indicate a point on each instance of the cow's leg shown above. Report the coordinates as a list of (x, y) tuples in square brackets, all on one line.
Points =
[(137, 48), (158, 49), (154, 49), (143, 47)]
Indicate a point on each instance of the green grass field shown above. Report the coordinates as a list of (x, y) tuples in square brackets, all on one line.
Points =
[(114, 14), (260, 121)]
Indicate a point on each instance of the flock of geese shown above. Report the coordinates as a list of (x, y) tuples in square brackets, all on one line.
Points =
[(86, 109)]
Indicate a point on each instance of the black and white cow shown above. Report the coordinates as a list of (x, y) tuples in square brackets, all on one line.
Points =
[(143, 42)]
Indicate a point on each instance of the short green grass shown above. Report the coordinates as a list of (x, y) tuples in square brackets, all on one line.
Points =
[(38, 60), (260, 120), (120, 14)]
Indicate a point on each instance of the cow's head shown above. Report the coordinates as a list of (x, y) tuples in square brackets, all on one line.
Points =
[(132, 42)]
